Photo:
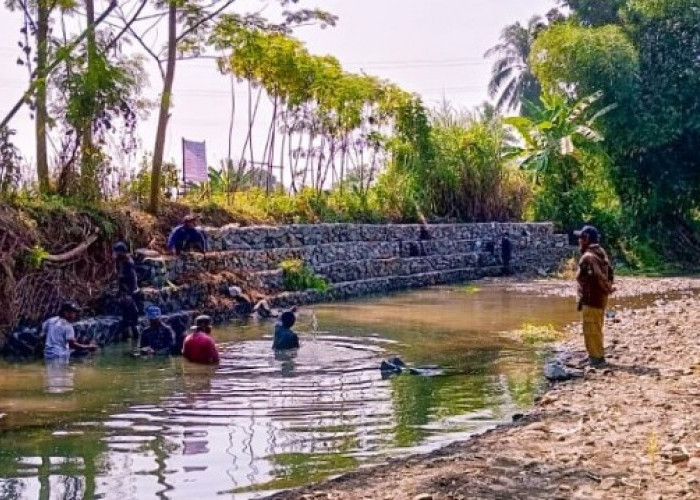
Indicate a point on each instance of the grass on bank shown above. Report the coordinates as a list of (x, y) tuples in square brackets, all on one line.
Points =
[(539, 334)]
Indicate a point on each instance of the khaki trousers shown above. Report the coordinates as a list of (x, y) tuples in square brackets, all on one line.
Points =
[(593, 321)]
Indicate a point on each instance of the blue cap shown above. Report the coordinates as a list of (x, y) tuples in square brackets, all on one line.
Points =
[(120, 248), (590, 232), (153, 312)]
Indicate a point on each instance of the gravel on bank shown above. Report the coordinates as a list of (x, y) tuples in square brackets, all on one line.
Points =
[(625, 286), (629, 431)]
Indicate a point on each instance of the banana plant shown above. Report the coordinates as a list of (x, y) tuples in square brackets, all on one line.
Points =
[(552, 140)]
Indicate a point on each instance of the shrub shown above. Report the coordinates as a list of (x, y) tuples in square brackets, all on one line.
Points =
[(298, 277)]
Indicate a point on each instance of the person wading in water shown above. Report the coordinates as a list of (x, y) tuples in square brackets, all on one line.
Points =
[(199, 347), (595, 284)]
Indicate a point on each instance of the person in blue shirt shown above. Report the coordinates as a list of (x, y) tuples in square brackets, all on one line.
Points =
[(158, 338), (186, 237), (60, 336), (285, 338)]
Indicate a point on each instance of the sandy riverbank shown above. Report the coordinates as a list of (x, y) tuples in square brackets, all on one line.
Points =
[(630, 431)]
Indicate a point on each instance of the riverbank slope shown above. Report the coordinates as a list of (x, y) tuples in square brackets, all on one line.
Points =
[(629, 431)]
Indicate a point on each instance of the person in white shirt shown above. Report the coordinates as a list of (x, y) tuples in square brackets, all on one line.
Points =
[(60, 335)]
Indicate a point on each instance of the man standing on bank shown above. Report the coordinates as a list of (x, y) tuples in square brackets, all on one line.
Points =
[(129, 293), (595, 284), (506, 253)]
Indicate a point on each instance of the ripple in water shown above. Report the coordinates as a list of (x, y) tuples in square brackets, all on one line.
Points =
[(259, 422)]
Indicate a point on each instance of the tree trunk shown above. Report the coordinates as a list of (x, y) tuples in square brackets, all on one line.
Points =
[(164, 113), (42, 47), (88, 168)]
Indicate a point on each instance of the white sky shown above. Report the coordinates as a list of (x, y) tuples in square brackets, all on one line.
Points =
[(433, 47)]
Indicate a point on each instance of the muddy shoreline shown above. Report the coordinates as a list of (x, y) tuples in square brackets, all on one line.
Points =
[(628, 431)]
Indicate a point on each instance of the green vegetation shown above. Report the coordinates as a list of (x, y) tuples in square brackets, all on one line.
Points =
[(298, 277), (607, 131), (539, 334)]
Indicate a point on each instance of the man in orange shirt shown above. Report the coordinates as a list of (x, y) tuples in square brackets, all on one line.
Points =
[(199, 347)]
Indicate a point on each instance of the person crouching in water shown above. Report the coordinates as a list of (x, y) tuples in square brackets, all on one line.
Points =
[(285, 338), (199, 347), (595, 284), (158, 339)]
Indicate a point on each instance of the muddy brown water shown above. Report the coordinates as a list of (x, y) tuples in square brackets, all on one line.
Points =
[(118, 427)]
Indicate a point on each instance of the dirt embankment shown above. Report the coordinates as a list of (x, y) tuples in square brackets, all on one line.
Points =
[(51, 252), (628, 431)]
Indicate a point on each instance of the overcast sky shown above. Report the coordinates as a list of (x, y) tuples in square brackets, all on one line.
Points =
[(433, 47)]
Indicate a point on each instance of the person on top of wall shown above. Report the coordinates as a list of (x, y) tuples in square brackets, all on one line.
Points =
[(128, 290), (158, 338), (187, 238), (60, 335), (285, 338), (595, 283), (506, 253), (199, 347)]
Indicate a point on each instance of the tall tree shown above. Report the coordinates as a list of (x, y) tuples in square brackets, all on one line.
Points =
[(512, 82), (42, 117), (164, 111), (595, 12)]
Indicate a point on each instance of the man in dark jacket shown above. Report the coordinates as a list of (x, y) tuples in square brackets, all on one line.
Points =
[(506, 253), (595, 284), (128, 289), (186, 237)]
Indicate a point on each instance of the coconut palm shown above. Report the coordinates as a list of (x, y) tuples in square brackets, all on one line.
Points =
[(512, 83)]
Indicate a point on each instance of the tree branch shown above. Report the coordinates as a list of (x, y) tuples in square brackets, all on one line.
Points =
[(72, 254), (149, 52), (127, 25), (205, 19), (63, 54)]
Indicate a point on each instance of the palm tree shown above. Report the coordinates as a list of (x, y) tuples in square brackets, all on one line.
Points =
[(512, 82)]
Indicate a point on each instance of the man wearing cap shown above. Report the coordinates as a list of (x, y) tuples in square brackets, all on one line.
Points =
[(186, 237), (199, 347), (129, 293), (60, 335), (595, 284), (158, 338)]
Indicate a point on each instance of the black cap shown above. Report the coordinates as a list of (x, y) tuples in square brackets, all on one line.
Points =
[(120, 247), (590, 232), (202, 319), (69, 307)]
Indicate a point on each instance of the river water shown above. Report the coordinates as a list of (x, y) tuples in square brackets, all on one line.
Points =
[(116, 427)]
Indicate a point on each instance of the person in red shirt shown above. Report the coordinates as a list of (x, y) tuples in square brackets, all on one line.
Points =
[(199, 347)]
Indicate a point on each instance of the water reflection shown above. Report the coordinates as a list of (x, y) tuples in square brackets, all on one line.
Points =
[(59, 376), (118, 427)]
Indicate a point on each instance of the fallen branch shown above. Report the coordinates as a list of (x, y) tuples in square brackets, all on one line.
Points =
[(72, 254)]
